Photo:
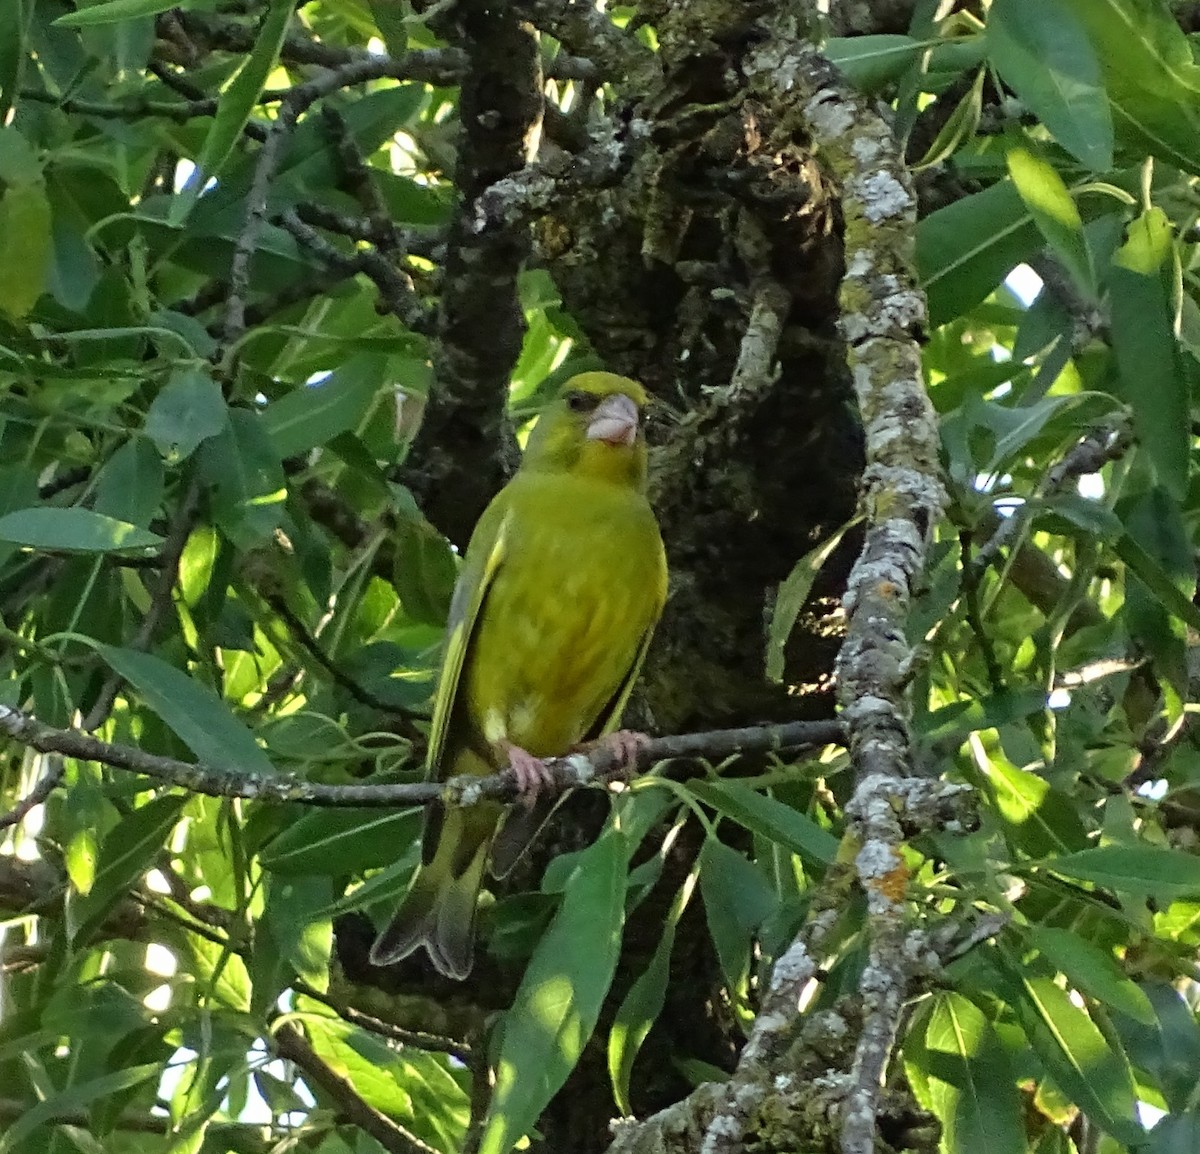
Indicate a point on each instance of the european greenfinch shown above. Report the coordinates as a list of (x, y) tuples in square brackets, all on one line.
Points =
[(562, 584)]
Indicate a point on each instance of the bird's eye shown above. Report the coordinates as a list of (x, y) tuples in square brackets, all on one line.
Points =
[(581, 402)]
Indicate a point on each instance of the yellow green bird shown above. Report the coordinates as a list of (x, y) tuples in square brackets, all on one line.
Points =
[(562, 584)]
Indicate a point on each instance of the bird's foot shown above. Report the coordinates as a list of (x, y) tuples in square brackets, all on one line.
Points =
[(532, 774), (623, 746)]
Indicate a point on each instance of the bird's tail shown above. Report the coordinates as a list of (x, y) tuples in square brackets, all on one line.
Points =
[(438, 912)]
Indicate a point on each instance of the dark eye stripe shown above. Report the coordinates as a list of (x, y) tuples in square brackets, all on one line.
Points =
[(581, 402)]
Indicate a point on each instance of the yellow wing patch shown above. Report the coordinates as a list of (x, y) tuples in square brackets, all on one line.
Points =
[(473, 584)]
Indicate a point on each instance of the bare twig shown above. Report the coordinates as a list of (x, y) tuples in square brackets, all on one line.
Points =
[(434, 65), (573, 770)]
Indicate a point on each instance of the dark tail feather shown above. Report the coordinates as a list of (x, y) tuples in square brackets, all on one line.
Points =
[(438, 912)]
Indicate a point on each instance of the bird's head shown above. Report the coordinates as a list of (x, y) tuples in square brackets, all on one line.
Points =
[(594, 429)]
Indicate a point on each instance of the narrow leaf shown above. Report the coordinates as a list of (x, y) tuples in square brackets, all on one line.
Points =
[(1044, 54), (1055, 214), (771, 818), (792, 595), (235, 106), (201, 719), (1092, 970), (73, 531), (1134, 869), (556, 1007), (1152, 378)]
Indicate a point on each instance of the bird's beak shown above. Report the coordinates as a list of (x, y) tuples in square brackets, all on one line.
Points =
[(614, 421)]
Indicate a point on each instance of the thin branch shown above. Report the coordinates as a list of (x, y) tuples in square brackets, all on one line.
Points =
[(291, 1044), (433, 65), (417, 1039), (310, 644), (1089, 455), (575, 769), (395, 288), (46, 785)]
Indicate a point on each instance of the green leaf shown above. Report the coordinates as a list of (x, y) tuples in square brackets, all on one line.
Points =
[(200, 718), (1134, 869), (870, 62), (126, 853), (130, 486), (641, 1006), (313, 415), (965, 1079), (25, 247), (119, 10), (1168, 1051), (1175, 1134), (342, 841), (1043, 53), (792, 595), (737, 900), (1076, 1055), (186, 411), (1152, 574), (1055, 214), (75, 1098), (234, 107), (967, 248), (1152, 81), (771, 819), (425, 571), (74, 531), (303, 936), (247, 476), (14, 22), (556, 1007), (1091, 970), (1152, 377), (960, 125)]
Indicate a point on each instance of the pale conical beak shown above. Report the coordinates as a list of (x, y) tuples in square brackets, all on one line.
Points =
[(614, 421)]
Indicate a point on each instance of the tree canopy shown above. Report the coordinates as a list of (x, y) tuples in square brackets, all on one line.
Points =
[(912, 860)]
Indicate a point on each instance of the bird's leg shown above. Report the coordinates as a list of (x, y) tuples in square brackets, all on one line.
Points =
[(623, 745), (532, 773)]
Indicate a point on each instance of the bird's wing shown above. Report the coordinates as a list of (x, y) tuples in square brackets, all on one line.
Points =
[(479, 571)]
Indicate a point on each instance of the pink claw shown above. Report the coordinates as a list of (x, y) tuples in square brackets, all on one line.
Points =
[(624, 745), (532, 774)]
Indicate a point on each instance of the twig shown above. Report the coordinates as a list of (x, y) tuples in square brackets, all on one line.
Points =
[(970, 586), (1089, 455), (430, 65), (573, 770), (45, 786), (291, 1044), (313, 648), (394, 287), (102, 706), (418, 1039), (424, 243)]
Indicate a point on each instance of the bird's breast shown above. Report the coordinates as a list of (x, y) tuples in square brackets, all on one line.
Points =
[(561, 627)]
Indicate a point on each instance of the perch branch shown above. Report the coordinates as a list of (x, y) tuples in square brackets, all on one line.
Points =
[(573, 770)]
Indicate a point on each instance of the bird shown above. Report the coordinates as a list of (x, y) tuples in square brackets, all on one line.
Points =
[(562, 584)]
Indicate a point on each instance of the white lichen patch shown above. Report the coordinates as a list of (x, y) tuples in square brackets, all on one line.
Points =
[(881, 195), (793, 967)]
